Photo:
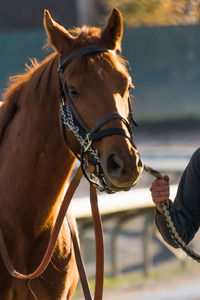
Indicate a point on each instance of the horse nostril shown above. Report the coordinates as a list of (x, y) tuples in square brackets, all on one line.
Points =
[(114, 165)]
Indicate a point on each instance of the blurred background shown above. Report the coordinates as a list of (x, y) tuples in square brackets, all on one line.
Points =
[(162, 44)]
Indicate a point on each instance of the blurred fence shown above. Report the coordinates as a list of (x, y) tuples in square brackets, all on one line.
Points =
[(164, 65)]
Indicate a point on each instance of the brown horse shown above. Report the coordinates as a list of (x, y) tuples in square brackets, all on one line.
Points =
[(35, 163)]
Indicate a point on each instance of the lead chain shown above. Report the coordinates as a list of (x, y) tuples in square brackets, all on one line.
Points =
[(174, 234), (68, 120)]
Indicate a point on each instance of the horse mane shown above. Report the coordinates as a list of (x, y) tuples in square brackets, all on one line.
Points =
[(16, 82)]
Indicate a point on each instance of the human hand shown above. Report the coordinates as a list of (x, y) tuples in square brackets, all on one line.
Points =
[(160, 192)]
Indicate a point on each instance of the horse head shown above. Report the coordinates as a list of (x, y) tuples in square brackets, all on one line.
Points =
[(97, 84)]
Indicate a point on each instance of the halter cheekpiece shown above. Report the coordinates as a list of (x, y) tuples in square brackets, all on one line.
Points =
[(85, 136)]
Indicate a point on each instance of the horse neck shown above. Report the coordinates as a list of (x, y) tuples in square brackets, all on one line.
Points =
[(42, 162)]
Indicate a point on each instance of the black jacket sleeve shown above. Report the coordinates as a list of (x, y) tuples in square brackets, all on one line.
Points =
[(185, 211)]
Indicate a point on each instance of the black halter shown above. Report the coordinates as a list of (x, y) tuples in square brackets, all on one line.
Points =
[(85, 135)]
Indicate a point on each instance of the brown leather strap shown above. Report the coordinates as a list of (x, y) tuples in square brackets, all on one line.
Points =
[(98, 294), (52, 242), (79, 261)]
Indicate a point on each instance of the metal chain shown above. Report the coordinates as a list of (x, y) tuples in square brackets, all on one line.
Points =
[(68, 120), (96, 177), (174, 234)]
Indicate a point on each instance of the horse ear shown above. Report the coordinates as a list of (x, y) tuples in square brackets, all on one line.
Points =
[(112, 34), (59, 37)]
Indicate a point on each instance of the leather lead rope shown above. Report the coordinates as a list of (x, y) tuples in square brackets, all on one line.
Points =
[(99, 280), (52, 242), (79, 261)]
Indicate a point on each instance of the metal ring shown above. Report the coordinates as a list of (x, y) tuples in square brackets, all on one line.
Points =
[(87, 143)]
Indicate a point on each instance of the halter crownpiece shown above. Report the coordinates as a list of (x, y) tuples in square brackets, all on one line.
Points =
[(83, 51), (85, 135)]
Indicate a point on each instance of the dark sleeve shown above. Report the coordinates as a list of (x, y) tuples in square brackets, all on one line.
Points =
[(185, 211)]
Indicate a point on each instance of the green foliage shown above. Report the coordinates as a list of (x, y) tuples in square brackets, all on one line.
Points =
[(157, 12)]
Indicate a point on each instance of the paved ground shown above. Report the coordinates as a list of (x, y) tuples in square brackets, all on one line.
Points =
[(174, 285)]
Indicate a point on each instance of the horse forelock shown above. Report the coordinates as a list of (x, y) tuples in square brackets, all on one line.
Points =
[(86, 36), (85, 33)]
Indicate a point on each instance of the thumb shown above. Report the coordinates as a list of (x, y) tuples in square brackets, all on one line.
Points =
[(166, 178)]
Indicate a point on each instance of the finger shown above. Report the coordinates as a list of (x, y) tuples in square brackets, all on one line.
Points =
[(157, 200), (159, 182), (159, 188), (164, 193), (161, 194), (166, 178)]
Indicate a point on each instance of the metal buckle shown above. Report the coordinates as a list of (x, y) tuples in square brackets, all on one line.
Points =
[(87, 143)]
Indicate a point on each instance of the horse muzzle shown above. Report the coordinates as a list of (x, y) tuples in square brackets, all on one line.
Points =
[(122, 173)]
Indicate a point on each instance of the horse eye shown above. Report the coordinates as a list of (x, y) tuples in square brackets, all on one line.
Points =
[(73, 92)]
